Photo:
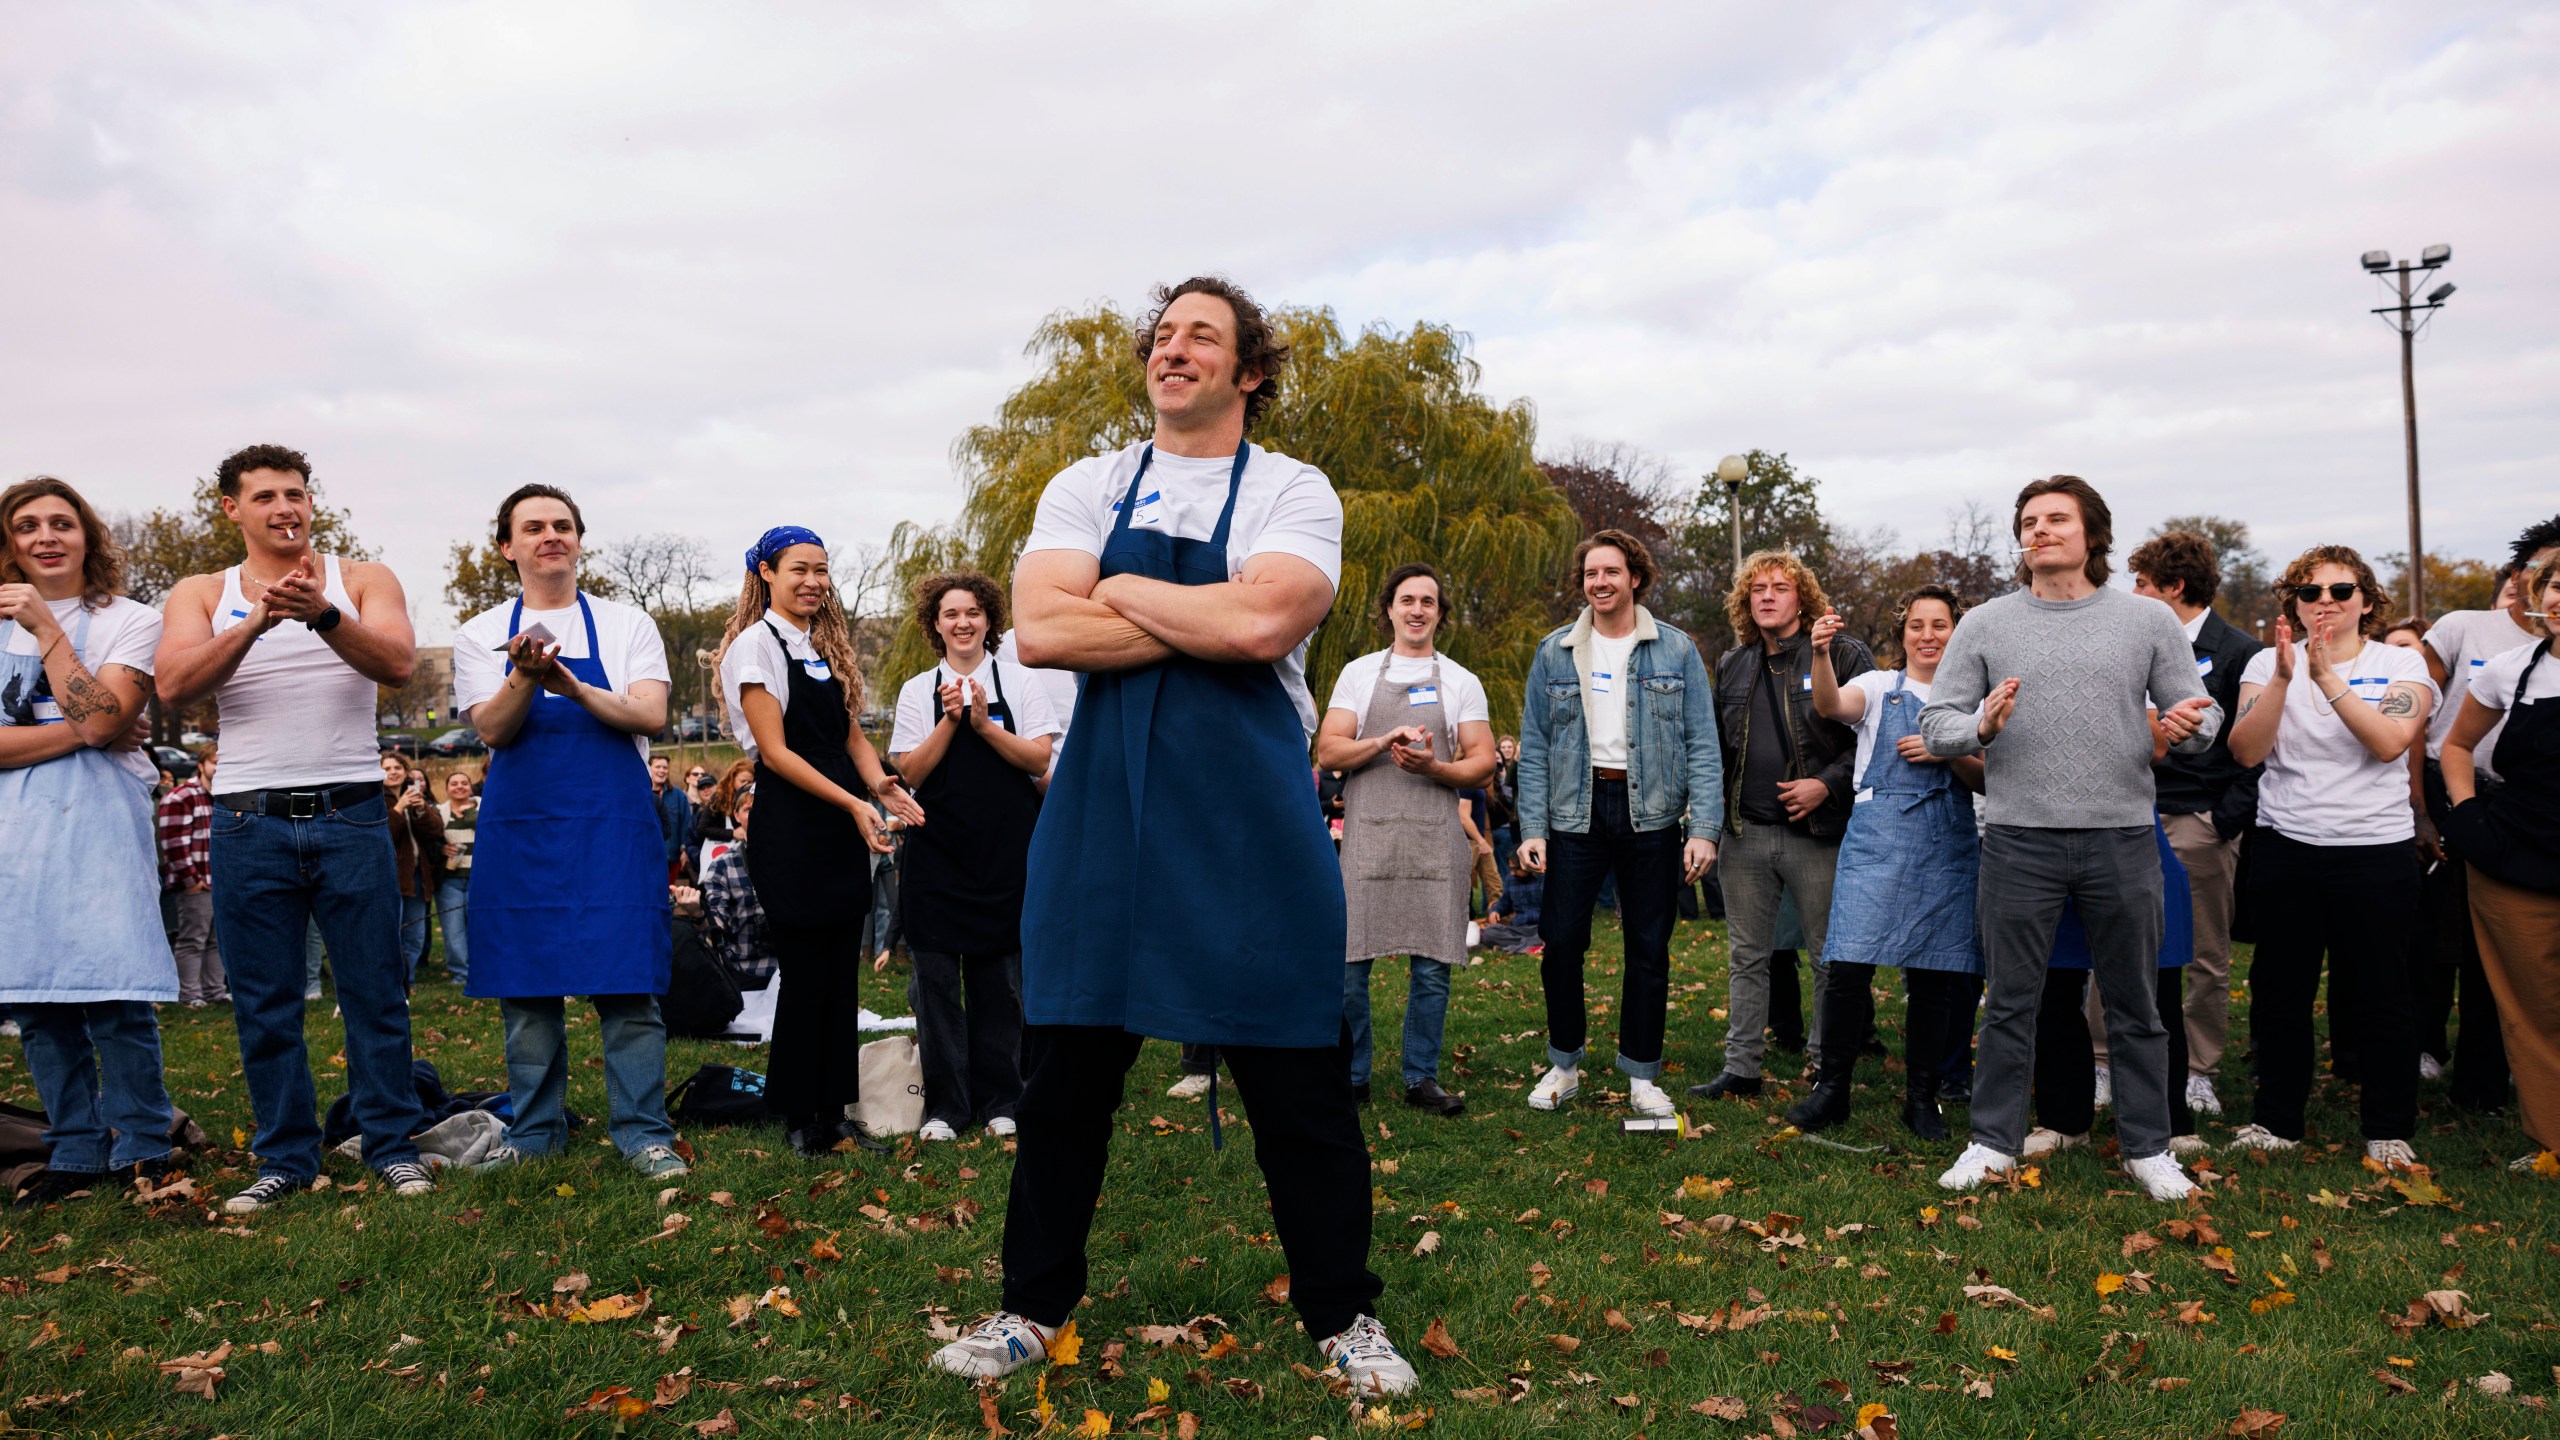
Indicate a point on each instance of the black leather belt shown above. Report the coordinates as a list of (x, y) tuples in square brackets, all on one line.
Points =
[(301, 804)]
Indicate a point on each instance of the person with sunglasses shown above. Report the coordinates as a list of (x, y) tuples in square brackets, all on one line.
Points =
[(2333, 863)]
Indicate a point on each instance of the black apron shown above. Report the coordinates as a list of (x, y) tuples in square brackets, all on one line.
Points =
[(2512, 833), (961, 879), (808, 863)]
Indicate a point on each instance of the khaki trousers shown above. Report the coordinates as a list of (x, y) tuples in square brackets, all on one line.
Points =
[(2519, 932), (2212, 863)]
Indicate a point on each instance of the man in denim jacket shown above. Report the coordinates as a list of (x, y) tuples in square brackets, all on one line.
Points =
[(1620, 772)]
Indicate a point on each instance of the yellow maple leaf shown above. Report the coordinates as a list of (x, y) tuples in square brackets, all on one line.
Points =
[(1870, 1414), (2032, 1178), (1158, 1392), (1928, 1214), (564, 1191), (1066, 1347), (2000, 1352), (1041, 1409), (2110, 1283), (240, 1140), (2265, 1303), (1096, 1424), (2547, 1165)]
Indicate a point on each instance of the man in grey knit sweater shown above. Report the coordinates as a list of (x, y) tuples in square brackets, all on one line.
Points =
[(2065, 674)]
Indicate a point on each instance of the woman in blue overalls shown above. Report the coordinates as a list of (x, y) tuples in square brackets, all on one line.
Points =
[(569, 875), (1903, 893), (82, 952)]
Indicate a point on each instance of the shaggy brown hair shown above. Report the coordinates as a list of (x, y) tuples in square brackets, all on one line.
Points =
[(1395, 582), (1259, 349), (1639, 559), (1810, 601), (2180, 557), (930, 590), (2377, 600), (2097, 523), (101, 568)]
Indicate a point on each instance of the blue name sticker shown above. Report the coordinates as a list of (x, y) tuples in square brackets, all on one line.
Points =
[(2204, 666), (1603, 683), (1422, 695)]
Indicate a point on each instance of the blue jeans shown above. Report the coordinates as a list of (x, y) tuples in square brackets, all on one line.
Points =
[(635, 1072), (413, 935), (272, 878), (97, 1068), (1426, 1009), (453, 905)]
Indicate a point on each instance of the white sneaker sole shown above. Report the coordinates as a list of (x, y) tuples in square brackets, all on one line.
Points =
[(1543, 1101)]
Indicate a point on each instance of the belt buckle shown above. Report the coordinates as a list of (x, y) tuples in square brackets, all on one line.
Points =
[(302, 805)]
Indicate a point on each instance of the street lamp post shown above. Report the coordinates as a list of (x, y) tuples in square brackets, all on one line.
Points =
[(1733, 470), (2409, 316)]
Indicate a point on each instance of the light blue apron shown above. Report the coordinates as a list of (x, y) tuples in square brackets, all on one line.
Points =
[(79, 864), (1182, 884), (568, 866), (1904, 890)]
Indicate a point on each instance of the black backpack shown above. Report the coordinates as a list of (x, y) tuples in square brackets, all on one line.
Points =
[(702, 996), (719, 1095)]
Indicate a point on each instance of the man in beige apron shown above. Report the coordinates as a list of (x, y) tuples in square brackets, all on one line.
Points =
[(1408, 728)]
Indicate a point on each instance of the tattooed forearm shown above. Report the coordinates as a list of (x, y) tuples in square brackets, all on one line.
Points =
[(2398, 704), (81, 696), (2245, 707)]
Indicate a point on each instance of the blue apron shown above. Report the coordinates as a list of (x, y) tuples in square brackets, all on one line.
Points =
[(79, 861), (1182, 884), (568, 868), (2178, 916), (1904, 890)]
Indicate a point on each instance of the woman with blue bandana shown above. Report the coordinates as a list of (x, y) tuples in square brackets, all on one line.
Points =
[(787, 673)]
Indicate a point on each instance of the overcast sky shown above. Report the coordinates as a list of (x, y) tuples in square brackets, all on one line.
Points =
[(715, 268)]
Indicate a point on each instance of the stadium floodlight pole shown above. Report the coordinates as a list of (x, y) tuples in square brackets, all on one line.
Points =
[(1733, 470), (2409, 317)]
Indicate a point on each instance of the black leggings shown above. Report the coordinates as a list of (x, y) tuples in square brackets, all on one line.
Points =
[(2066, 1096), (1941, 1010), (2357, 904), (815, 1065)]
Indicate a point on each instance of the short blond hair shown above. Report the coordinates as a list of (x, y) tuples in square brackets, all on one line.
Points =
[(1737, 603)]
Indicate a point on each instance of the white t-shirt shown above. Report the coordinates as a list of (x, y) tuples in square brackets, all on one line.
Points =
[(1461, 694), (2464, 641), (754, 659), (122, 632), (1604, 702), (627, 638), (1874, 683), (1062, 687), (920, 709), (1283, 507), (2494, 684), (2322, 787)]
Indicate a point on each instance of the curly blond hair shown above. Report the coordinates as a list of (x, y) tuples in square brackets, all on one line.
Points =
[(2377, 601), (1737, 602)]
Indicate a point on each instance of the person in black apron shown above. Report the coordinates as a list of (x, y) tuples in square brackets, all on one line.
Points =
[(972, 747), (787, 673), (569, 875), (1181, 881)]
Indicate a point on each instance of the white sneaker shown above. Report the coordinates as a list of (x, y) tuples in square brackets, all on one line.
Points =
[(408, 1177), (1004, 1344), (8, 1029), (2106, 1095), (1001, 1126), (1646, 1098), (1368, 1359), (1553, 1089), (933, 1130), (2041, 1141), (2200, 1096), (2391, 1153), (2183, 1146), (2259, 1137), (2161, 1177), (1189, 1087), (2523, 1164), (1978, 1163), (2429, 1068)]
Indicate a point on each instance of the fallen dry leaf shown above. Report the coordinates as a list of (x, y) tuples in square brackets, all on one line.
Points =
[(1429, 1244), (987, 1410), (1096, 1425), (723, 1423), (1277, 1292), (1722, 1407), (2494, 1383), (1436, 1340), (2254, 1423), (199, 1373), (2396, 1384), (573, 1283)]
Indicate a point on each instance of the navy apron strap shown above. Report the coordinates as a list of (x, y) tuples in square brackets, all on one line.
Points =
[(1235, 483), (1129, 502), (515, 618)]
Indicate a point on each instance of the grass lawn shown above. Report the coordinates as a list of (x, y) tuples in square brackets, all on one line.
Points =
[(1597, 1284)]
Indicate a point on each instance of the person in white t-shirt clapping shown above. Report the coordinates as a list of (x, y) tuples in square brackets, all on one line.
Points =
[(2333, 862)]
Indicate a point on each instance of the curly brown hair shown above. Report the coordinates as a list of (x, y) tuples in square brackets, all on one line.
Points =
[(260, 457), (1639, 559), (2377, 601), (1810, 601), (2180, 557), (930, 590), (102, 566), (1259, 349)]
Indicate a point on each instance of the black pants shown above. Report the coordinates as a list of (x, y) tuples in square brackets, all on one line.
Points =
[(1966, 1002), (1306, 1138), (968, 1034), (1647, 867), (815, 1065), (1938, 1018), (1786, 1002), (2066, 1097), (1199, 1059), (2358, 904), (2444, 963)]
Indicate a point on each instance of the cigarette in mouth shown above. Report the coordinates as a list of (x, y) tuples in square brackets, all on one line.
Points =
[(289, 532)]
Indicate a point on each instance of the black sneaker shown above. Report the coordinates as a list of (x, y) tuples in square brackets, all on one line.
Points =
[(268, 1192), (52, 1187), (1728, 1086), (860, 1134), (408, 1177)]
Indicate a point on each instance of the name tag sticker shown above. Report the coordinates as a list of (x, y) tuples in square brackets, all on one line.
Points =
[(47, 710), (1808, 684), (817, 669), (2382, 680), (1422, 695), (1150, 511), (2204, 666), (1603, 683)]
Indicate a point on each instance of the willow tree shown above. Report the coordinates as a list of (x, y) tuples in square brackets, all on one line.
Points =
[(1427, 467)]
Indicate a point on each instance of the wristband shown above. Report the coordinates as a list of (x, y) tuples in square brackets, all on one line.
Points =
[(2341, 695)]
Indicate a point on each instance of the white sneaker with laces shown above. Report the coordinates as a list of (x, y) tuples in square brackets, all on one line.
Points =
[(2200, 1096), (408, 1177), (1978, 1163), (2183, 1146), (1004, 1344), (2041, 1141), (1368, 1359), (2161, 1177), (2106, 1096), (1554, 1088), (1189, 1087), (934, 1130), (1001, 1126), (264, 1192), (660, 1162), (2429, 1068), (2259, 1137), (1646, 1098), (2391, 1153)]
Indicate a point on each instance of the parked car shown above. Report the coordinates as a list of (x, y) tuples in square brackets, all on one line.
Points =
[(698, 729), (196, 739), (398, 742), (174, 760), (453, 744)]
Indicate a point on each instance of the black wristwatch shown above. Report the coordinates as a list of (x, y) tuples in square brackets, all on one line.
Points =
[(326, 621)]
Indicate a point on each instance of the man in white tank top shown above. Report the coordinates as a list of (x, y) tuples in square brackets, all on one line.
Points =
[(290, 644)]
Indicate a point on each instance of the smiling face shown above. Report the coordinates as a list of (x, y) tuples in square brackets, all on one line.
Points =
[(542, 540), (1413, 613), (2344, 618), (799, 580), (961, 622), (2051, 532), (658, 771), (1606, 581), (395, 771), (273, 511), (1926, 628), (1192, 373), (457, 788), (49, 546), (1776, 607)]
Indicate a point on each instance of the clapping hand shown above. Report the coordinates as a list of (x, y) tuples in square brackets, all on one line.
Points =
[(2182, 720), (2284, 648), (2317, 652), (1997, 707), (298, 596), (1410, 748), (902, 805)]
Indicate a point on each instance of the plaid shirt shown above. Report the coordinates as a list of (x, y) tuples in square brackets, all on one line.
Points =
[(737, 918), (186, 837)]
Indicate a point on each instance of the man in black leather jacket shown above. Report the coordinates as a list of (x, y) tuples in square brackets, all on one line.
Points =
[(1787, 796)]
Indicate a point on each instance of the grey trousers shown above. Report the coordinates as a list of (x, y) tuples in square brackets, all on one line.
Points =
[(1754, 866), (2114, 876)]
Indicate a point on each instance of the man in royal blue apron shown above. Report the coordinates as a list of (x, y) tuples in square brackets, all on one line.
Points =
[(569, 871), (1181, 881)]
